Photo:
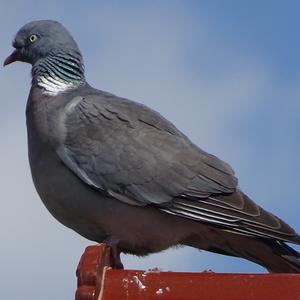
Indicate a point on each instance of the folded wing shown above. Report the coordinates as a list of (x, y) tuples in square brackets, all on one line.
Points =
[(132, 153)]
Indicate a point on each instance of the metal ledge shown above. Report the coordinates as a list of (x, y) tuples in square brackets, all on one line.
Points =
[(98, 281)]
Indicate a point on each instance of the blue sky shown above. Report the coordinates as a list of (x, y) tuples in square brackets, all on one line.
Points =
[(227, 73)]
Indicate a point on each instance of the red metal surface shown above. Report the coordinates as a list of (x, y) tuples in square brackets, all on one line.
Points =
[(138, 285), (89, 271), (97, 281)]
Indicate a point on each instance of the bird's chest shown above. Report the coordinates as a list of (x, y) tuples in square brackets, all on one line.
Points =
[(43, 124), (42, 120)]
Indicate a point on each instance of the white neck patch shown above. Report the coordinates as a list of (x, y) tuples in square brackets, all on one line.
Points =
[(53, 85)]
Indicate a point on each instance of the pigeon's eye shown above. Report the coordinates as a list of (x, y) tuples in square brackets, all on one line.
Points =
[(33, 38)]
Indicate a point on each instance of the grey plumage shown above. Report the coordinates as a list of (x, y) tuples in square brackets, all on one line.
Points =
[(116, 171)]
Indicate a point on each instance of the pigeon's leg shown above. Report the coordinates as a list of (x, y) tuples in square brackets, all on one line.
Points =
[(115, 252)]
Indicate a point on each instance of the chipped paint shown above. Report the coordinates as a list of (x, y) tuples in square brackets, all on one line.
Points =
[(138, 282)]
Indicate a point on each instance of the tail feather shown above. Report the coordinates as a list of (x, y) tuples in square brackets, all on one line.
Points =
[(289, 256), (276, 256)]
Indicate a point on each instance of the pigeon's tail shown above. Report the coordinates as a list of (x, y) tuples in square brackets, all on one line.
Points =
[(274, 255), (284, 260)]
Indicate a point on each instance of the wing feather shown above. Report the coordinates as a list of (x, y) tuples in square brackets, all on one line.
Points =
[(138, 157)]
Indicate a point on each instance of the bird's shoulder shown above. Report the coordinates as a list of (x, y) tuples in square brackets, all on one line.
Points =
[(117, 144), (94, 107)]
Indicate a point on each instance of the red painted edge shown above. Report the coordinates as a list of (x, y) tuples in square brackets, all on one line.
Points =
[(97, 281), (89, 271)]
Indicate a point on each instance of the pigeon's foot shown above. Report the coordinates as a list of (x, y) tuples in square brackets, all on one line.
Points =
[(115, 252)]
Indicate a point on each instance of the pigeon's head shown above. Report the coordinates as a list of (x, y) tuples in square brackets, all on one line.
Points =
[(37, 39)]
